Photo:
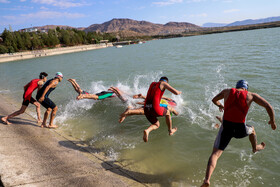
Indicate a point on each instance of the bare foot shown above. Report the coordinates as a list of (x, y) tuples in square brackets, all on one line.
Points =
[(175, 112), (172, 131), (259, 147), (4, 119), (44, 126), (205, 184), (217, 126), (219, 118), (145, 136), (122, 118), (123, 115), (52, 126), (80, 97), (39, 121)]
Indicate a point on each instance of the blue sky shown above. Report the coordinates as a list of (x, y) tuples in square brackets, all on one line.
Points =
[(82, 13)]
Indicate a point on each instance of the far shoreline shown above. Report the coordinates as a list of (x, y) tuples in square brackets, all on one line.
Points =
[(8, 57)]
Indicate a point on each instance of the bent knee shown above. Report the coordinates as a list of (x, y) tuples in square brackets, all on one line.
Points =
[(48, 110), (253, 131), (157, 124)]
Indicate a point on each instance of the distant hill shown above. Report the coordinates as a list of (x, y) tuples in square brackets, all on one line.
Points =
[(142, 27), (254, 21), (47, 27), (214, 24), (244, 22)]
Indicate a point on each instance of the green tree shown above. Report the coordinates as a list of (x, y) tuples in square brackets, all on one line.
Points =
[(11, 49), (52, 37), (3, 49), (65, 37), (20, 44), (27, 40), (45, 39), (35, 42)]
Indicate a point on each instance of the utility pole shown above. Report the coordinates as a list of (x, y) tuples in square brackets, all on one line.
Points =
[(10, 28)]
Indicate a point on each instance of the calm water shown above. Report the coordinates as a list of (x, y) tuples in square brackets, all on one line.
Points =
[(200, 67)]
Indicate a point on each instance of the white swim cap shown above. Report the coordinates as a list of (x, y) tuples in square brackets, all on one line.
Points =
[(59, 74)]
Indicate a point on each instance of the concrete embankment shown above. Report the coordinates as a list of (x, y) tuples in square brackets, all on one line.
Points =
[(34, 156), (50, 52)]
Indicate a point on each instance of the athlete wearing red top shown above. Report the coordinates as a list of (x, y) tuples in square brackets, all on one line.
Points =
[(152, 108), (27, 97), (30, 87), (236, 107), (237, 102)]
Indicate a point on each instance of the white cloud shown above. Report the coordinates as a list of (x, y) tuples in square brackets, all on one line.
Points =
[(168, 2), (43, 8), (4, 1), (22, 0), (17, 8), (43, 15), (203, 15), (59, 3), (231, 11), (195, 1)]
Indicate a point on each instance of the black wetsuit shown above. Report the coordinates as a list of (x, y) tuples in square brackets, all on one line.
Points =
[(47, 103)]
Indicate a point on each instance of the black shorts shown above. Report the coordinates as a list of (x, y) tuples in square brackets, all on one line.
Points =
[(26, 102), (229, 130), (84, 92), (47, 103)]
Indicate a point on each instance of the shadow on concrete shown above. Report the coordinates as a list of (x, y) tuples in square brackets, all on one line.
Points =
[(160, 179), (79, 145), (1, 184), (20, 121)]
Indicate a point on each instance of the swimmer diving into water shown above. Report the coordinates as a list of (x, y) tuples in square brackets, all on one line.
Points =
[(99, 96), (152, 108), (140, 111)]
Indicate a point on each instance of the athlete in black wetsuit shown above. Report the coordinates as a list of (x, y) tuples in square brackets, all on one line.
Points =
[(43, 97)]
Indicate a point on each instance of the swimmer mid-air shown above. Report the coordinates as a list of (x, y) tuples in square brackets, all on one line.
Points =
[(112, 91), (165, 102)]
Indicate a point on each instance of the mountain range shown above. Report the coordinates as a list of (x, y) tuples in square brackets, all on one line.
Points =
[(244, 22), (142, 27), (129, 27)]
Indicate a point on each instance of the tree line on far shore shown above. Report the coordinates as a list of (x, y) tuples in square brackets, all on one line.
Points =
[(17, 41)]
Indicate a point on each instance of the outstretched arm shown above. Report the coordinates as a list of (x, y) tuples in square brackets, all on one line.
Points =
[(119, 93), (139, 96), (217, 98), (170, 88), (262, 102)]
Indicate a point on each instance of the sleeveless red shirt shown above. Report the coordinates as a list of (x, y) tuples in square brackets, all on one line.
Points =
[(153, 98), (31, 86), (236, 108)]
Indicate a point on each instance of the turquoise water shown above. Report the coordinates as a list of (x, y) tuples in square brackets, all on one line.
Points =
[(200, 67)]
